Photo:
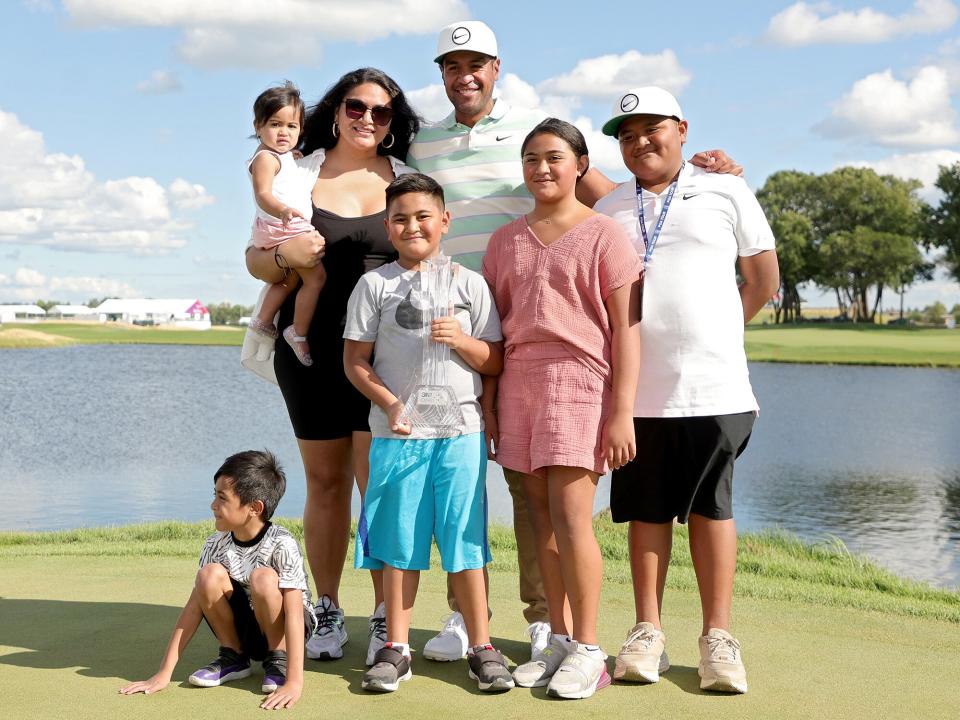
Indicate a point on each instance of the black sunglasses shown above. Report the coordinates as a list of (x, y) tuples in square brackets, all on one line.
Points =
[(380, 114)]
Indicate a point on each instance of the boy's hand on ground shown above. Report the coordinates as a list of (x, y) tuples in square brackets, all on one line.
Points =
[(491, 429), (447, 330), (398, 422), (283, 697), (619, 441), (155, 684)]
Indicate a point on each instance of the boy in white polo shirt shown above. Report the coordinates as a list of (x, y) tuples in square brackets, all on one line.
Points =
[(695, 408)]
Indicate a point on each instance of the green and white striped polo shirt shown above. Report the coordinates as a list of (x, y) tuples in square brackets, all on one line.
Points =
[(481, 174)]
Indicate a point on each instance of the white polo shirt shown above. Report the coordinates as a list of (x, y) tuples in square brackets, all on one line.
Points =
[(692, 357), (481, 174)]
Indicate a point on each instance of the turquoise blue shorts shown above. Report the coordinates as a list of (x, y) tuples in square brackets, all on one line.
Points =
[(420, 490)]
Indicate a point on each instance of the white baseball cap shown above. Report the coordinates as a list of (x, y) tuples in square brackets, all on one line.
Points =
[(466, 35), (648, 100)]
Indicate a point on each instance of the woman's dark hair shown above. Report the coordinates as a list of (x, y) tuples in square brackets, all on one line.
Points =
[(566, 132), (275, 99), (318, 127)]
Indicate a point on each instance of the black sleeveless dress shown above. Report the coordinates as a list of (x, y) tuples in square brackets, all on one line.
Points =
[(321, 402)]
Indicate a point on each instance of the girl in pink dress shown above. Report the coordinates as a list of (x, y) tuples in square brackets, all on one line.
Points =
[(567, 285)]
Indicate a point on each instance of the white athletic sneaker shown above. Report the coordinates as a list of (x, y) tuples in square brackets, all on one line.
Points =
[(331, 635), (377, 634), (541, 667), (721, 665), (642, 657), (539, 633), (450, 643), (579, 675)]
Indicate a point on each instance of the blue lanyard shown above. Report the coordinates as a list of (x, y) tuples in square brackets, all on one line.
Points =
[(650, 243)]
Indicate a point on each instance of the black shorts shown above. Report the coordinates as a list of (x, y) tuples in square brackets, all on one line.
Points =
[(321, 402), (252, 639), (683, 465)]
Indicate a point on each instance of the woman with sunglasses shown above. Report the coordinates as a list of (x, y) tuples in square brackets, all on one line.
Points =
[(354, 141)]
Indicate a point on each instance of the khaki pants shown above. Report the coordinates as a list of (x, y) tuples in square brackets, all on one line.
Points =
[(531, 585)]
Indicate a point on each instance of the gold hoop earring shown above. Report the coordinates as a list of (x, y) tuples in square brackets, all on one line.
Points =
[(383, 142), (336, 129)]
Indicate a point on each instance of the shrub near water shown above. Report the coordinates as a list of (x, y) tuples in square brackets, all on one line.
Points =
[(770, 565)]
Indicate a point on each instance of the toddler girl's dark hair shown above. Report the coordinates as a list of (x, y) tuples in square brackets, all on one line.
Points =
[(274, 99), (563, 130)]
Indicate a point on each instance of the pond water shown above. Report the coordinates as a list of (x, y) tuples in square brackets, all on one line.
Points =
[(115, 434)]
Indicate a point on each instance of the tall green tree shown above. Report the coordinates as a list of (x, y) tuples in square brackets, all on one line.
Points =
[(944, 228), (850, 230)]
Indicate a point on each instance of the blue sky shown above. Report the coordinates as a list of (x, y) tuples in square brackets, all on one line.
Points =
[(124, 124)]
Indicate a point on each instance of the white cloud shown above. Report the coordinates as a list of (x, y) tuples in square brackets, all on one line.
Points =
[(604, 150), (189, 196), (54, 201), (892, 113), (160, 82), (922, 166), (268, 35), (808, 24), (431, 102), (608, 75), (29, 285)]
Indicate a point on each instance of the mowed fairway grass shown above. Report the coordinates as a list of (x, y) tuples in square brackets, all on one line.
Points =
[(821, 343), (825, 635), (854, 344)]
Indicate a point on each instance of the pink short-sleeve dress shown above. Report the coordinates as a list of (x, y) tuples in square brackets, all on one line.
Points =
[(554, 394)]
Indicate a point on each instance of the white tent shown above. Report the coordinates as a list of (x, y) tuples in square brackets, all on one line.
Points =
[(72, 311), (184, 313), (21, 313)]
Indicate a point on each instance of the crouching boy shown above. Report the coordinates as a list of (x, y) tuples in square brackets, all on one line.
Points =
[(423, 487), (251, 589)]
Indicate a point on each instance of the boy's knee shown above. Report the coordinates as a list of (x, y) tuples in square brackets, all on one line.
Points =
[(264, 581), (212, 576)]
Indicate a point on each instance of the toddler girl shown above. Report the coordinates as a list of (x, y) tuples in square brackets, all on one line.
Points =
[(282, 190), (567, 284)]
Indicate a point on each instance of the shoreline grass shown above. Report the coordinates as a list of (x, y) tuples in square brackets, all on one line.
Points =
[(810, 343), (772, 565)]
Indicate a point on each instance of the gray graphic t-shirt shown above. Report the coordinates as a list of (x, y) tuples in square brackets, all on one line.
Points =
[(385, 309)]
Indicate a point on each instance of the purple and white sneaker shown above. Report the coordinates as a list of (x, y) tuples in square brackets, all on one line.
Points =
[(274, 671), (229, 665)]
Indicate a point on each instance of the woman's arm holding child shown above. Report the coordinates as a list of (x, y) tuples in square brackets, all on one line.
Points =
[(356, 365), (623, 308), (183, 631), (287, 695)]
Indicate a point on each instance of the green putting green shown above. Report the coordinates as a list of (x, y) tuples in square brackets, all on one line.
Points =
[(825, 635)]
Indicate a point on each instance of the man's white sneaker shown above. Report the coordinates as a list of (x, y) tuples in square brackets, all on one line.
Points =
[(580, 674), (642, 657), (539, 633), (541, 667), (450, 643), (331, 635), (377, 635), (721, 665)]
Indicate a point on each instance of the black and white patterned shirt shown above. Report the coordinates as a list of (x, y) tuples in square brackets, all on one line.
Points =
[(273, 547)]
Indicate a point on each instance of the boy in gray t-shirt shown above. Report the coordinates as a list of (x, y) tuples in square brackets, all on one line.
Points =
[(423, 487)]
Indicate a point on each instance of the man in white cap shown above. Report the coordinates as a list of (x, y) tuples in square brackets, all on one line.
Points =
[(474, 153), (694, 409)]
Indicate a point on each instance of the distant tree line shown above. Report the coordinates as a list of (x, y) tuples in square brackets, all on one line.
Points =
[(227, 314), (854, 232)]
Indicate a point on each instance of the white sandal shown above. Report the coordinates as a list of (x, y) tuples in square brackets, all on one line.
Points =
[(297, 343)]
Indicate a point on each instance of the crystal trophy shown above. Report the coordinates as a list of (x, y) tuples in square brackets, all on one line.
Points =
[(433, 408)]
